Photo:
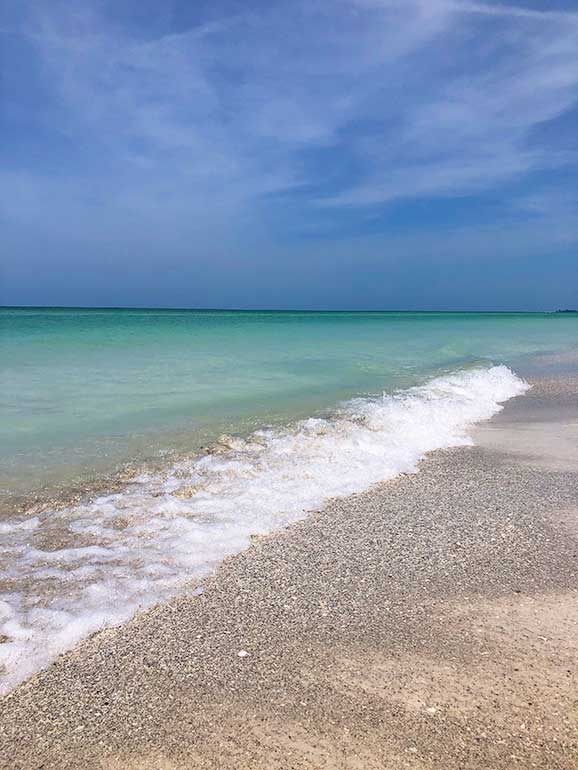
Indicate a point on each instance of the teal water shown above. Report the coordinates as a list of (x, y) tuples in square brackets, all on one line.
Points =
[(307, 405), (85, 391)]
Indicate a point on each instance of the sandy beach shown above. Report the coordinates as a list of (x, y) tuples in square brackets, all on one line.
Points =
[(289, 385), (428, 623)]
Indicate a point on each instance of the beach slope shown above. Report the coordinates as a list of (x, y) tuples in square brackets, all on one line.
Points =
[(428, 623)]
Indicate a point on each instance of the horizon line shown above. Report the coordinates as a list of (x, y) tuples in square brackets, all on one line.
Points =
[(269, 310)]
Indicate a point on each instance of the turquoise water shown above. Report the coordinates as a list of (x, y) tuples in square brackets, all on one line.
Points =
[(313, 406), (85, 391)]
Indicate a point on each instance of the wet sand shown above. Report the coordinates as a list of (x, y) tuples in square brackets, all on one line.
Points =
[(430, 622)]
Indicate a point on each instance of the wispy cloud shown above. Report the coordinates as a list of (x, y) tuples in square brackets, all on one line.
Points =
[(419, 98), (345, 103), (472, 126), (489, 9)]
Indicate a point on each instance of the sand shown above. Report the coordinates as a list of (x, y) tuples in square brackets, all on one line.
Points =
[(428, 623)]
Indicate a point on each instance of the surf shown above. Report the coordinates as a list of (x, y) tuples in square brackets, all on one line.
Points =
[(95, 564)]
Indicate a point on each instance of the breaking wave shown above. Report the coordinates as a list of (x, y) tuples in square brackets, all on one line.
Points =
[(95, 564)]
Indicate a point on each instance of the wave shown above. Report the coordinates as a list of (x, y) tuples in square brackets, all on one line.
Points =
[(95, 564)]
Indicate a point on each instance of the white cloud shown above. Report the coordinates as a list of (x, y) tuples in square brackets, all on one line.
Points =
[(473, 129), (411, 97)]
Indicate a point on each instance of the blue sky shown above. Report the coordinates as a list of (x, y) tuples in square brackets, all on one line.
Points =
[(323, 154)]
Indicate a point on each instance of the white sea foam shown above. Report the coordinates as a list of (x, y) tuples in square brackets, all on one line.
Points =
[(129, 550)]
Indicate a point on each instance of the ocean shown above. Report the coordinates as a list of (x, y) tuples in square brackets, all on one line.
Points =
[(140, 447)]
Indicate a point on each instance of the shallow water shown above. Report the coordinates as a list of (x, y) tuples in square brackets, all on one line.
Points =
[(84, 391)]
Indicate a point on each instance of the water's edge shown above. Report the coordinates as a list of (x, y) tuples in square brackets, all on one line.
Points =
[(96, 563)]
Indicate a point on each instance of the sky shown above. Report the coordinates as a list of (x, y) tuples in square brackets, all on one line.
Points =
[(326, 154)]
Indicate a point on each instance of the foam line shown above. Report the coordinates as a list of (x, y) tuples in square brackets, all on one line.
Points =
[(96, 564)]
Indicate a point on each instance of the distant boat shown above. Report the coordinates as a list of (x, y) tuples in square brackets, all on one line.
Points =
[(566, 311)]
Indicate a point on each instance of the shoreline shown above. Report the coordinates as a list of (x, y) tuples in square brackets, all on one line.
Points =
[(85, 486), (70, 572), (59, 494), (400, 627)]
